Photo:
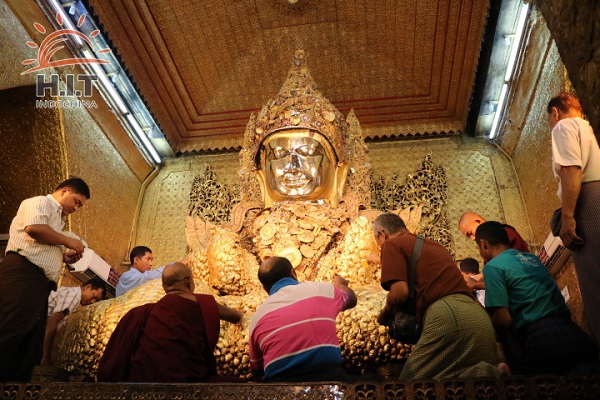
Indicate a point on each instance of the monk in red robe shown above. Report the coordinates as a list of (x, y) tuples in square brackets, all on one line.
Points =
[(169, 341)]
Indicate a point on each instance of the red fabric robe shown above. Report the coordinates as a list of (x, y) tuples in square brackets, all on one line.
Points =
[(170, 341)]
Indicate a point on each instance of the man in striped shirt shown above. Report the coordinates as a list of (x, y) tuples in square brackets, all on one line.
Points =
[(293, 334), (63, 302), (34, 258)]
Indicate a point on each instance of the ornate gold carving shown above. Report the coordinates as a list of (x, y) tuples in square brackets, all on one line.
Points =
[(426, 188), (209, 199)]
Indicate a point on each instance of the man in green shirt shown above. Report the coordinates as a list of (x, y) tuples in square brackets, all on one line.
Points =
[(527, 309)]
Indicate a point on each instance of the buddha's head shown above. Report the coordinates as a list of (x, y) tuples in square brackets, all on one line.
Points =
[(297, 143), (297, 164)]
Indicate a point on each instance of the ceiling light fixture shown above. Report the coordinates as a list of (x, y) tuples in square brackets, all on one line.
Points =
[(112, 81), (135, 126), (107, 85), (512, 59), (58, 8)]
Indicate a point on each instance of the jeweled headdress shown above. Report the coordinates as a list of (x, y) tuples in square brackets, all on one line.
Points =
[(298, 105)]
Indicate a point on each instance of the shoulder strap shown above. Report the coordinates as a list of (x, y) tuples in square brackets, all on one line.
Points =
[(413, 264)]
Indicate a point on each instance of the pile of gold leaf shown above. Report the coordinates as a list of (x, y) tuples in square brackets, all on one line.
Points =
[(301, 232)]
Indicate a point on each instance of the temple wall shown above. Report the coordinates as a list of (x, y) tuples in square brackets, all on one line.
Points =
[(479, 176), (41, 147), (525, 135)]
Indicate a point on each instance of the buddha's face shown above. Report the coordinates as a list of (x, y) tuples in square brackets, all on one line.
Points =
[(296, 165)]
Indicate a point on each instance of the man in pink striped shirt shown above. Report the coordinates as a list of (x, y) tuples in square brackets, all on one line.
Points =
[(293, 334)]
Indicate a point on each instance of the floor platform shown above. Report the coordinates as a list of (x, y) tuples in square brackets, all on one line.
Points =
[(569, 387)]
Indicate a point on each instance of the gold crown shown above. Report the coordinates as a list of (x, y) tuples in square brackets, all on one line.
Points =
[(299, 104)]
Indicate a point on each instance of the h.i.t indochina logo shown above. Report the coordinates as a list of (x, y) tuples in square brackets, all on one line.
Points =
[(51, 44)]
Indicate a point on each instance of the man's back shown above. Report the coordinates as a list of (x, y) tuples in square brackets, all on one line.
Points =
[(519, 281), (436, 274), (295, 327), (177, 342)]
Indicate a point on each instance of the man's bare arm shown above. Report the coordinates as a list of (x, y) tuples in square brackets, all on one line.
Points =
[(570, 181), (44, 234), (342, 284), (229, 314)]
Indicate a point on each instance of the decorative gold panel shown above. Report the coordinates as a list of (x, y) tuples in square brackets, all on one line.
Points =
[(167, 199), (106, 220), (469, 165), (406, 68)]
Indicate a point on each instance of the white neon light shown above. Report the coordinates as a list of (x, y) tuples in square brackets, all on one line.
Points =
[(107, 85), (516, 42), (498, 110), (142, 136), (58, 7)]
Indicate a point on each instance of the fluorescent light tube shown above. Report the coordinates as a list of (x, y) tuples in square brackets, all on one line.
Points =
[(107, 84), (498, 110), (58, 7), (516, 44), (142, 136)]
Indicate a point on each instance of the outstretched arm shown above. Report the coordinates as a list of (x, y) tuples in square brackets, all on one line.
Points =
[(395, 298), (229, 314), (342, 284), (51, 328)]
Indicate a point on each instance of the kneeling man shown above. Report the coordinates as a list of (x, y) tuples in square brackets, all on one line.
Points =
[(458, 336), (293, 334), (525, 304)]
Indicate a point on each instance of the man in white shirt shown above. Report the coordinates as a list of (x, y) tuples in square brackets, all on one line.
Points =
[(140, 272), (34, 258), (576, 168), (63, 302)]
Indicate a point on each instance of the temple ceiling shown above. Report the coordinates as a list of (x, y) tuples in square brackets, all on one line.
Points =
[(204, 66), (407, 68)]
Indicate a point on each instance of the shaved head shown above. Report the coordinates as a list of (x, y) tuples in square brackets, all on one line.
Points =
[(468, 224), (177, 276)]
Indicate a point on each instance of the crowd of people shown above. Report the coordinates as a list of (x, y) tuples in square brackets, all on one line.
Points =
[(464, 313)]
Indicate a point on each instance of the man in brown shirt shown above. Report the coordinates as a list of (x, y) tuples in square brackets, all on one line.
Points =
[(458, 338)]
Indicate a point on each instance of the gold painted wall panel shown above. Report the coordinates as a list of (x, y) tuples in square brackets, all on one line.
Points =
[(12, 48), (106, 220), (529, 136), (165, 205), (35, 139), (469, 166), (32, 158), (535, 173)]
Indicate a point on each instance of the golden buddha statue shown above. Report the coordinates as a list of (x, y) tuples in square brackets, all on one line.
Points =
[(305, 193)]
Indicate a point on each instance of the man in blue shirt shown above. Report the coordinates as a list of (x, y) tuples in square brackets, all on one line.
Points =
[(527, 309), (140, 271)]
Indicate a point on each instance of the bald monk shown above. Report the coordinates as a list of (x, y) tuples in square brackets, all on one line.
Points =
[(469, 222), (169, 341)]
